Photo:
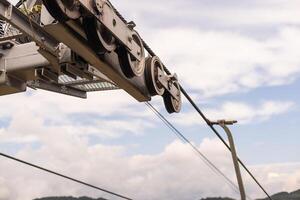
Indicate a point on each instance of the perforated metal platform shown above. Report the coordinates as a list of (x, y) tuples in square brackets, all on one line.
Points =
[(87, 85)]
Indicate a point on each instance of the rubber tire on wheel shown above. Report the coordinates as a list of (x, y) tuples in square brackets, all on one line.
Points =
[(151, 76), (171, 104), (129, 65), (102, 40), (57, 12)]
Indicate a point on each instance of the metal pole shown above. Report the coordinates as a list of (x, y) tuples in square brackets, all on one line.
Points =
[(223, 124)]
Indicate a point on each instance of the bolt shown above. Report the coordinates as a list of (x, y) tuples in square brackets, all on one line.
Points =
[(114, 22)]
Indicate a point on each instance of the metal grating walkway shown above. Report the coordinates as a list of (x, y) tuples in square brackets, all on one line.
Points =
[(87, 85)]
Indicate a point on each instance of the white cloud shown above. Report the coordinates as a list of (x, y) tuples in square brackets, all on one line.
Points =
[(42, 102), (104, 115), (240, 111), (217, 63), (4, 192), (245, 113), (224, 14), (175, 173), (278, 177)]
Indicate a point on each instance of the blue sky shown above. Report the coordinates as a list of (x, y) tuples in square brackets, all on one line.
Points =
[(238, 59)]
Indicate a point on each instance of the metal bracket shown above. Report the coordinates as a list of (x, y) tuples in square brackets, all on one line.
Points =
[(54, 87), (105, 14), (167, 82), (74, 71), (47, 75)]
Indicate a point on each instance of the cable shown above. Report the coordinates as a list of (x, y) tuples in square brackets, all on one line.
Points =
[(221, 138), (185, 140), (64, 176), (151, 52)]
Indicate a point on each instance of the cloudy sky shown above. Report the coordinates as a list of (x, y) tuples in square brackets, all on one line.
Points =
[(238, 59)]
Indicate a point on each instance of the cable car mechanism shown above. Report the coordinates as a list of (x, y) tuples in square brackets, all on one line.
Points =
[(78, 46)]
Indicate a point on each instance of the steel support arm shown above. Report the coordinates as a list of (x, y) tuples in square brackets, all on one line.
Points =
[(223, 124)]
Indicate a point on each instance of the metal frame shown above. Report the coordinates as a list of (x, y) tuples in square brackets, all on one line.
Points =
[(47, 54), (47, 38), (106, 15), (40, 84), (15, 62)]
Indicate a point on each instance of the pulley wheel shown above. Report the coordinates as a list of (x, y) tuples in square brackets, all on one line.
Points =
[(129, 64), (99, 37), (63, 10), (173, 105), (152, 66)]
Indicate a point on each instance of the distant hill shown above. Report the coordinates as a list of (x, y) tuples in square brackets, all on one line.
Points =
[(279, 196), (286, 196)]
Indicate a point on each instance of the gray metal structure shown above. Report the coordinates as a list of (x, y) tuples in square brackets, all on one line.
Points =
[(224, 124), (78, 46)]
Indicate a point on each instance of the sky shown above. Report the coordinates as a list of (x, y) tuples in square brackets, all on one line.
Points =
[(238, 60)]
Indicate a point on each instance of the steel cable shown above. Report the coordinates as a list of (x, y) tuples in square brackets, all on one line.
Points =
[(64, 176), (209, 163)]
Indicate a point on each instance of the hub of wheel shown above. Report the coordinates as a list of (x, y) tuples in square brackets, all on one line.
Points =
[(153, 70), (130, 65), (173, 105), (99, 38)]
